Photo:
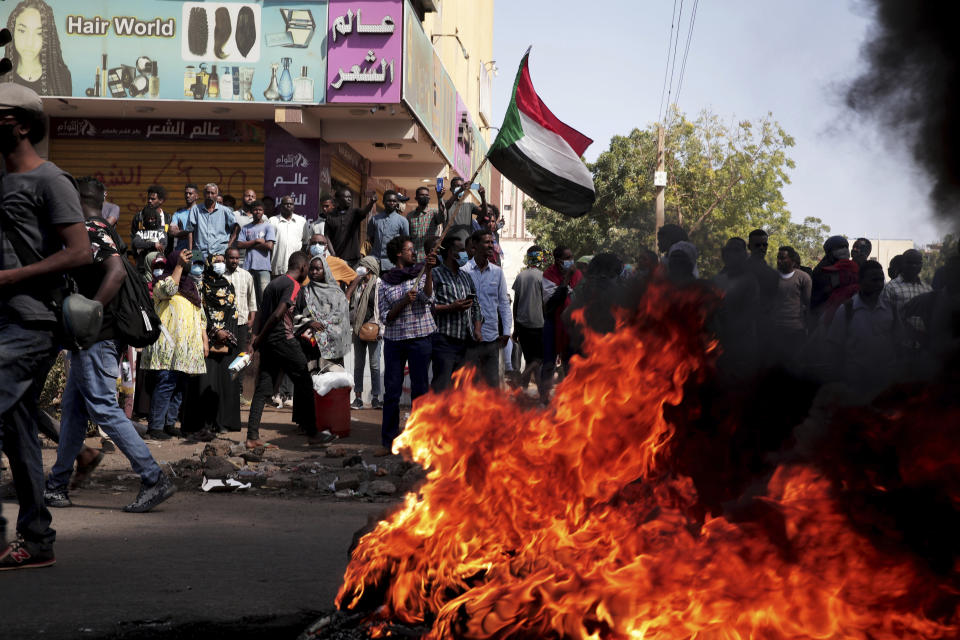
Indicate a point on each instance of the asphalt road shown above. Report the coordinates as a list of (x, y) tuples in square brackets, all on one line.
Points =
[(201, 565), (197, 558)]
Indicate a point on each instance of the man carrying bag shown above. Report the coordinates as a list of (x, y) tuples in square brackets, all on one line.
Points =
[(41, 207)]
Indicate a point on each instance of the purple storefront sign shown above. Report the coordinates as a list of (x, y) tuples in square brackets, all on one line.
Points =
[(296, 167), (364, 51)]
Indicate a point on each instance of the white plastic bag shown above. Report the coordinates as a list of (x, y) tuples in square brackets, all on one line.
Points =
[(324, 383)]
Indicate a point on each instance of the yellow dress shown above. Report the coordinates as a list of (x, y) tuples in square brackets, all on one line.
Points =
[(180, 347)]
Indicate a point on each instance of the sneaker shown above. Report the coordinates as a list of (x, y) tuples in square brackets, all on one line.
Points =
[(56, 498), (149, 497), (288, 402), (376, 403), (156, 434), (21, 554), (172, 431), (322, 437), (278, 401), (357, 404)]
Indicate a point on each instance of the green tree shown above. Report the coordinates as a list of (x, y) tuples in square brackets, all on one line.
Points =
[(724, 179), (935, 257)]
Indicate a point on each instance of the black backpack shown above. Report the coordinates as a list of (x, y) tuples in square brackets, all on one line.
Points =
[(136, 320)]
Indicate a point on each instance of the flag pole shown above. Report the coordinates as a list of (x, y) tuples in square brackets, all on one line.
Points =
[(449, 223)]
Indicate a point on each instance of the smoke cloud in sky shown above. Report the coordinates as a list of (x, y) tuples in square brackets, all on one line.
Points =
[(911, 87)]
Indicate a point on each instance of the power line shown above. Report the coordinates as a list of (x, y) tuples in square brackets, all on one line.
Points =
[(666, 68), (686, 51), (673, 65)]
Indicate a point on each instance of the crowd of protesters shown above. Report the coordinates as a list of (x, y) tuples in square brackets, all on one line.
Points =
[(422, 292)]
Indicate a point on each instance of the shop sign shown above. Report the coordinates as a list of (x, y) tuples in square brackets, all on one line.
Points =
[(159, 129), (427, 88), (364, 48), (296, 167), (254, 51)]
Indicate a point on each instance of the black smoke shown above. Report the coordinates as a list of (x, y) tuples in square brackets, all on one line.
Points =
[(911, 86)]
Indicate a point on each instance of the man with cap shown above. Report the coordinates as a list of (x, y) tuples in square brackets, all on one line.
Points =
[(42, 235)]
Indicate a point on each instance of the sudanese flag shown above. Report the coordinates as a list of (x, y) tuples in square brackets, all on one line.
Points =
[(540, 154)]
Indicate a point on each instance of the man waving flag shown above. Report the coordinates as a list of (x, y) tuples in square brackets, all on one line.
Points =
[(540, 154)]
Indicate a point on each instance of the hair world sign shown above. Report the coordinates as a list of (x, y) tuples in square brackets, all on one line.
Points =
[(122, 26), (248, 51)]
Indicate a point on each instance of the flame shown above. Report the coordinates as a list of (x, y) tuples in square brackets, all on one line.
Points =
[(569, 522)]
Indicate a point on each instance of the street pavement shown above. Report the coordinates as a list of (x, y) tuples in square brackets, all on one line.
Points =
[(197, 558)]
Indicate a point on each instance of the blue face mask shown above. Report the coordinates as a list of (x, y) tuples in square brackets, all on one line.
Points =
[(462, 258), (567, 265), (196, 270), (318, 250)]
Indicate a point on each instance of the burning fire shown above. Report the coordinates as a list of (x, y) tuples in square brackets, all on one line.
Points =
[(570, 523)]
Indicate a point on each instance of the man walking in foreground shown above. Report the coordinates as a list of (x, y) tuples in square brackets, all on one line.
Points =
[(91, 389), (42, 237)]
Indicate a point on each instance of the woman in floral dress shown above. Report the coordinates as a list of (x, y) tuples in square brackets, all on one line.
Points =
[(182, 347), (213, 397)]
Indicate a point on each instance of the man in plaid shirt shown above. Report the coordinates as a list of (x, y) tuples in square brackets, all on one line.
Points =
[(405, 301), (904, 288), (457, 311), (424, 222)]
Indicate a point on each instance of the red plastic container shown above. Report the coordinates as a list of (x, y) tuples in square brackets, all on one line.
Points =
[(333, 411)]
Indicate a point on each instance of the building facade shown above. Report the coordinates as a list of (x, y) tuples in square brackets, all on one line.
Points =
[(294, 98)]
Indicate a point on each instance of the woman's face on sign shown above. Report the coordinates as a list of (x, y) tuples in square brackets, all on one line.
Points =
[(28, 33)]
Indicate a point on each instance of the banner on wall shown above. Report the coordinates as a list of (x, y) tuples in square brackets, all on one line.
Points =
[(254, 51), (364, 50), (427, 88), (298, 168)]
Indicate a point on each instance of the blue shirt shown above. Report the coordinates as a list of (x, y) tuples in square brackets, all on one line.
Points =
[(211, 230), (383, 228), (258, 258), (494, 301), (180, 219)]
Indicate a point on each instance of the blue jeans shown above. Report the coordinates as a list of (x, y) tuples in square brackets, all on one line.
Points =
[(396, 354), (361, 349), (26, 355), (166, 399), (91, 394), (261, 278)]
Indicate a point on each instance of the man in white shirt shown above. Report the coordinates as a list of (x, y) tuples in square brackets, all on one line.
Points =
[(245, 296), (289, 228)]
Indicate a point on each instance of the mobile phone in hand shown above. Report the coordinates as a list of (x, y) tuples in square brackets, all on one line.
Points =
[(440, 185)]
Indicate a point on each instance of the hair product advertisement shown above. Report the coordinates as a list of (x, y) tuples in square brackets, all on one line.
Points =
[(254, 51)]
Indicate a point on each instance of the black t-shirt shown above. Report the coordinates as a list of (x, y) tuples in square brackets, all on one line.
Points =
[(281, 289), (35, 201), (343, 229), (104, 245)]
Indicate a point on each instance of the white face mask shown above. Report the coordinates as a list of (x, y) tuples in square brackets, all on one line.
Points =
[(567, 265), (219, 268), (361, 271), (157, 273)]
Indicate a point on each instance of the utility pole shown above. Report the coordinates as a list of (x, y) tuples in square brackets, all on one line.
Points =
[(660, 177)]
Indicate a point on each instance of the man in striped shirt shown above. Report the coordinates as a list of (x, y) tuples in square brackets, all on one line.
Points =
[(457, 310), (405, 301)]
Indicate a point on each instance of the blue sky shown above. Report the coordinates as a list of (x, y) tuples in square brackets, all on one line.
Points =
[(599, 66)]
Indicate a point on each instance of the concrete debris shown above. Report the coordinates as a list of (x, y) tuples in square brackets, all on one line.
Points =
[(382, 488)]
